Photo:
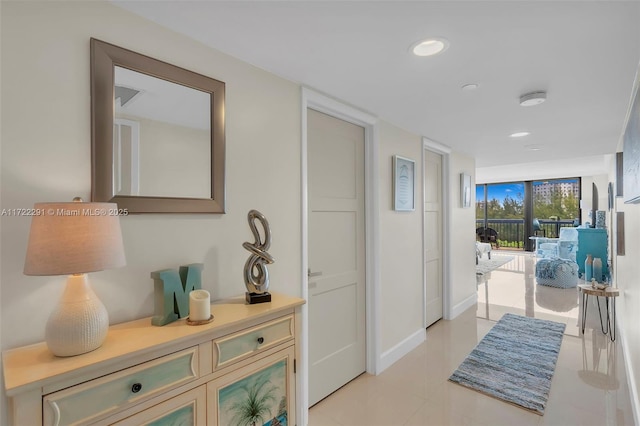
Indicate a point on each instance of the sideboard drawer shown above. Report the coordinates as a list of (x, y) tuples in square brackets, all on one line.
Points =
[(236, 346), (189, 408), (86, 401)]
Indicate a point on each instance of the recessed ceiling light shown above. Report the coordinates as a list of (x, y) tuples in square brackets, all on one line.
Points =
[(533, 98), (430, 47), (533, 147), (519, 134), (470, 86)]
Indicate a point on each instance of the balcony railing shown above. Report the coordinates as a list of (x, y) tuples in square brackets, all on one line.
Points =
[(511, 231)]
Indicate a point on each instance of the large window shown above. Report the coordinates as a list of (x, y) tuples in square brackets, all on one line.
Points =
[(518, 210), (502, 210), (556, 203)]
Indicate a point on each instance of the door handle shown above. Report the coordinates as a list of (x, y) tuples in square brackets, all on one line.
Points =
[(313, 274)]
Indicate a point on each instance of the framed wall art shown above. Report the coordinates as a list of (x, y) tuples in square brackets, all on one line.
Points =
[(404, 178), (619, 174), (620, 250), (611, 196), (631, 152), (465, 190)]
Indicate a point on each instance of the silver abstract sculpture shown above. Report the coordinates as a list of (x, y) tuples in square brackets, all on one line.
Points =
[(256, 275)]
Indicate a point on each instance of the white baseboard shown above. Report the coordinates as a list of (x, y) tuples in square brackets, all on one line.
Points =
[(388, 358), (463, 306), (633, 389)]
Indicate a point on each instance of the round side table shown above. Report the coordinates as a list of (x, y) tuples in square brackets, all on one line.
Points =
[(608, 293)]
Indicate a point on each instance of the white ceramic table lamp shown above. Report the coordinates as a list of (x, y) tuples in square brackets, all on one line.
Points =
[(72, 239)]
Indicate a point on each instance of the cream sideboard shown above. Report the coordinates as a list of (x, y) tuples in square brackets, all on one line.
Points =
[(175, 374)]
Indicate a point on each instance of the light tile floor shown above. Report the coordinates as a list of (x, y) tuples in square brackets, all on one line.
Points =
[(589, 385), (512, 288)]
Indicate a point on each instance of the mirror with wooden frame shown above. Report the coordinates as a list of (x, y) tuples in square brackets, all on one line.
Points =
[(157, 134)]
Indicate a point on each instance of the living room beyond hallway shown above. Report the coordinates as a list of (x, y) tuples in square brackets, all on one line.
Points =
[(512, 288)]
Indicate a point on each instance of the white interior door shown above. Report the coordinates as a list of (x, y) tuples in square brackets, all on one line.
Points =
[(336, 301), (433, 235)]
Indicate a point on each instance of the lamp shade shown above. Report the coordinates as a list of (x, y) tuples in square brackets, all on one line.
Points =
[(74, 238)]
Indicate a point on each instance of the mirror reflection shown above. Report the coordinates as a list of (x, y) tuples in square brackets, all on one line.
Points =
[(161, 138), (157, 134)]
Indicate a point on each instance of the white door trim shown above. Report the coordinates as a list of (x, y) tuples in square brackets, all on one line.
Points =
[(327, 105), (447, 309)]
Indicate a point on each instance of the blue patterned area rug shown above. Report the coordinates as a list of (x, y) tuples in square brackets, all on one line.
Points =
[(514, 362)]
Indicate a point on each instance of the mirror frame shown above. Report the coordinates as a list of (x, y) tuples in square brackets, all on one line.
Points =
[(104, 57)]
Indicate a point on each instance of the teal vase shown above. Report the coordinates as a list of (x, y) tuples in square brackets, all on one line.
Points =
[(588, 268)]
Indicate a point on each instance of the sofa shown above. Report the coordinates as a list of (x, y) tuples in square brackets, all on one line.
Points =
[(556, 265)]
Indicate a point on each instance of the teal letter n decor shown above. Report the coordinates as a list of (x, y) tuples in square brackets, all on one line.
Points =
[(171, 292)]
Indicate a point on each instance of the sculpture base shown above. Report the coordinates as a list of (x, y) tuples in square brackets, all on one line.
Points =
[(253, 298)]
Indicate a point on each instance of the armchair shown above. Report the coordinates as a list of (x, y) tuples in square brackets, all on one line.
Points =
[(487, 235)]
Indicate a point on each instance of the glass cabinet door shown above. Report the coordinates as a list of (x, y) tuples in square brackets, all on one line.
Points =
[(259, 394)]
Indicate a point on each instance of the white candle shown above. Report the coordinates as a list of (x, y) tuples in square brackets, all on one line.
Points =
[(199, 305)]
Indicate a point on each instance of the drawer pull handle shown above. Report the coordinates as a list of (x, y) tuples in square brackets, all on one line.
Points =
[(136, 387), (260, 340)]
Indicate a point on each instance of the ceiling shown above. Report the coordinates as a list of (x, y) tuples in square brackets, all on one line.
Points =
[(157, 99), (583, 53)]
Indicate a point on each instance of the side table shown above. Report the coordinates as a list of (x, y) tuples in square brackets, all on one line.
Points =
[(482, 248), (608, 293)]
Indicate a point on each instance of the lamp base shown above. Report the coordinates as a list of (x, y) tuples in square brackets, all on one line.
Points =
[(79, 323)]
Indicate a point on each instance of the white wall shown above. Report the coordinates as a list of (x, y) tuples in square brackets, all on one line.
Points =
[(549, 169), (47, 157), (400, 243), (2, 401), (602, 183), (626, 273), (174, 160), (463, 236)]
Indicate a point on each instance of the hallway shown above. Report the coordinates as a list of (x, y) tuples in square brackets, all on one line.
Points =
[(589, 386)]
